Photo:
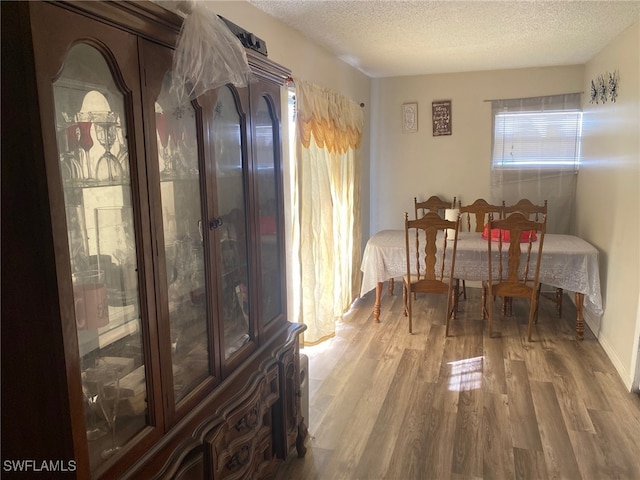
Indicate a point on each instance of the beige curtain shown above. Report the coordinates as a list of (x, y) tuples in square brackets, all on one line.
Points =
[(329, 132)]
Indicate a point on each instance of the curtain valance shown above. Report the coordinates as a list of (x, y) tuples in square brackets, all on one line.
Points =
[(335, 121)]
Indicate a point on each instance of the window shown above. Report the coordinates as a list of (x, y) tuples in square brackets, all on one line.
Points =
[(536, 154)]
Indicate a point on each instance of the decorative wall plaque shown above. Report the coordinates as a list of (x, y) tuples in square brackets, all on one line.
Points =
[(441, 115), (410, 117)]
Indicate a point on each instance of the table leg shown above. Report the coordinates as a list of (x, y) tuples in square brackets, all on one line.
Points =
[(580, 320), (391, 284), (376, 306), (559, 294)]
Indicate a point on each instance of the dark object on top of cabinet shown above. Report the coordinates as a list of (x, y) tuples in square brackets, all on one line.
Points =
[(136, 341), (248, 39)]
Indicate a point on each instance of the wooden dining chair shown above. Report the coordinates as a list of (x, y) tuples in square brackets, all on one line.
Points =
[(431, 261), (473, 218), (432, 204), (476, 214), (534, 212), (512, 270), (527, 208)]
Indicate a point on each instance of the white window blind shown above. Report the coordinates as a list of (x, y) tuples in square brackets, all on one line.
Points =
[(549, 139)]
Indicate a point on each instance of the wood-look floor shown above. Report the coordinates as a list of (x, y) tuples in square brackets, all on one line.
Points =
[(385, 404)]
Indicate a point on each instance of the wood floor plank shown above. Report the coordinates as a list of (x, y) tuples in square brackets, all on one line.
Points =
[(313, 467), (433, 349), (512, 345), (349, 449), (589, 455), (407, 460), (579, 378), (467, 446), (357, 386), (529, 464), (494, 379), (377, 452), (620, 455), (625, 405), (497, 444), (342, 408), (522, 414), (385, 404), (574, 411), (556, 444), (438, 448)]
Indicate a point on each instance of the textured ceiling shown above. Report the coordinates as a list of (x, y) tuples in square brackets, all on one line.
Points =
[(396, 38)]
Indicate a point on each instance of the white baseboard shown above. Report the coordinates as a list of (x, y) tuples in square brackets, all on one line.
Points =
[(594, 325)]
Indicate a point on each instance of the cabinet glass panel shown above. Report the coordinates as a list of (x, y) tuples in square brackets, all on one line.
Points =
[(184, 251), (231, 232), (94, 164), (265, 128)]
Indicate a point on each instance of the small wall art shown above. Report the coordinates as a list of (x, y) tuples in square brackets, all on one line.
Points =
[(410, 117), (441, 116), (605, 87)]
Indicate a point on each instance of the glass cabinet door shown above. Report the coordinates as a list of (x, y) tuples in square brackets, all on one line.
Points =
[(183, 239), (267, 168), (95, 170), (231, 223)]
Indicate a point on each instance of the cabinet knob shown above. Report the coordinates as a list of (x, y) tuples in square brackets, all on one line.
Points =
[(215, 223)]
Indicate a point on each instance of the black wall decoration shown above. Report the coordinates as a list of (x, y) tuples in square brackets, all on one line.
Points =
[(605, 86)]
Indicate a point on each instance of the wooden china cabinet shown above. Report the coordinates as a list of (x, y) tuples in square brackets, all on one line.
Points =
[(144, 327)]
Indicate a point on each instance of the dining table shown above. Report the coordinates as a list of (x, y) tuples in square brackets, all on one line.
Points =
[(568, 263)]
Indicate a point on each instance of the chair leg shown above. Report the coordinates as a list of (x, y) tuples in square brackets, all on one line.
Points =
[(533, 315), (483, 300), (559, 295), (456, 297), (452, 302), (404, 298), (490, 314)]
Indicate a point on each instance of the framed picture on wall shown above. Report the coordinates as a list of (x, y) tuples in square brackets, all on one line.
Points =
[(410, 117), (441, 115)]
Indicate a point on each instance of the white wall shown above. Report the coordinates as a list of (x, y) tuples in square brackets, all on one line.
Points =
[(407, 165), (608, 206)]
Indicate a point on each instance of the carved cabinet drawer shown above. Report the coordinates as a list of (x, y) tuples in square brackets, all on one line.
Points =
[(241, 445)]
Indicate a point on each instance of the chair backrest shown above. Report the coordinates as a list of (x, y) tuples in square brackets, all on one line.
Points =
[(527, 208), (517, 238), (479, 212), (432, 258), (432, 204)]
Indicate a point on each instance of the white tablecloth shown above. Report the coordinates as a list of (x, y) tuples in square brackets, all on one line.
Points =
[(568, 262)]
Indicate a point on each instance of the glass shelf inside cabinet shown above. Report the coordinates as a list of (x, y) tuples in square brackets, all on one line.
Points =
[(183, 240), (232, 233), (94, 167)]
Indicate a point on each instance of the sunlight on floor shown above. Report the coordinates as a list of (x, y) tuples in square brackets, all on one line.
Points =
[(466, 374)]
